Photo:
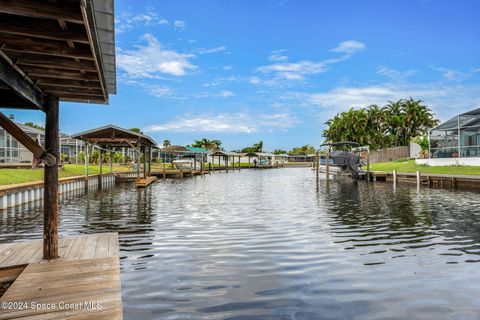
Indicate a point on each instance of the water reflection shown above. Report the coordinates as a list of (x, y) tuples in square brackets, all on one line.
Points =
[(269, 244)]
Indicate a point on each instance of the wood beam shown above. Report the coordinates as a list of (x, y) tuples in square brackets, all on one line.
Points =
[(82, 95), (62, 90), (83, 99), (19, 84), (42, 29), (36, 9), (50, 205), (51, 62), (68, 83), (66, 74), (15, 131), (111, 140), (46, 51), (10, 100)]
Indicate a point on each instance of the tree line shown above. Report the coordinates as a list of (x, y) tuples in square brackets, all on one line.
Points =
[(393, 125)]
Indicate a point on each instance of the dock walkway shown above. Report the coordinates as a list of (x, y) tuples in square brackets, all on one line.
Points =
[(84, 283)]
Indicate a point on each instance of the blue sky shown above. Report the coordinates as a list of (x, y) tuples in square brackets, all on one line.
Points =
[(276, 70)]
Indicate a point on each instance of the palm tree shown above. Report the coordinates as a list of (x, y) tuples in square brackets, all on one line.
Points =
[(207, 144), (166, 143)]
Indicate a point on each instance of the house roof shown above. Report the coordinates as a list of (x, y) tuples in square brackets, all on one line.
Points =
[(468, 119)]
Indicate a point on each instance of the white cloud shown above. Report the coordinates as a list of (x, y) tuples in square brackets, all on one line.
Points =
[(255, 80), (450, 74), (211, 50), (395, 75), (277, 55), (294, 70), (159, 91), (152, 59), (179, 24), (444, 99), (283, 70), (235, 123), (127, 21), (226, 94), (350, 47)]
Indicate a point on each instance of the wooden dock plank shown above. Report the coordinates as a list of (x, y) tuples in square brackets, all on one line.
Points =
[(96, 280), (88, 270)]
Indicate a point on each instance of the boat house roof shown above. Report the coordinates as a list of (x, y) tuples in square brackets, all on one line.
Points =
[(64, 49), (225, 153), (114, 136), (259, 154)]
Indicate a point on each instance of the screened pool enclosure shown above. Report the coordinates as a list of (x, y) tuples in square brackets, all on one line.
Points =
[(457, 137)]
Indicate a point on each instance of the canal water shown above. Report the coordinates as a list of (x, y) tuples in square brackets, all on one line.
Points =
[(267, 244)]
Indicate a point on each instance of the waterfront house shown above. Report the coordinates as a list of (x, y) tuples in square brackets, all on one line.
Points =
[(456, 141)]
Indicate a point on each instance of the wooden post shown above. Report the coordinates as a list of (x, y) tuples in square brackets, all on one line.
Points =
[(144, 162), (239, 165), (100, 163), (418, 179), (394, 176), (327, 164), (368, 165), (317, 154), (209, 168), (249, 162), (87, 160), (137, 162), (50, 205), (226, 163), (111, 160)]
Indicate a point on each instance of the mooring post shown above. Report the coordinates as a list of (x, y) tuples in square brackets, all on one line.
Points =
[(87, 160), (145, 162), (317, 161), (418, 179), (368, 165), (226, 163), (100, 162), (111, 160), (50, 204), (394, 176), (327, 164)]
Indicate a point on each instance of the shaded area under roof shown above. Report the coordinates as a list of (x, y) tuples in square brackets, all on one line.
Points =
[(115, 136)]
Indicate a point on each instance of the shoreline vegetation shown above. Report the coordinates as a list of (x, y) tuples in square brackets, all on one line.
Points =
[(14, 176), (405, 165)]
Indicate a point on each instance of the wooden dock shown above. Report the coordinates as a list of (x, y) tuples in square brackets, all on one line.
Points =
[(454, 181), (145, 182), (84, 283)]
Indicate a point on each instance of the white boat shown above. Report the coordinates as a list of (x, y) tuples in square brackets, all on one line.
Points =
[(185, 164)]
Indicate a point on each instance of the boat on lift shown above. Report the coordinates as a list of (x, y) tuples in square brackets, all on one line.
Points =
[(347, 160)]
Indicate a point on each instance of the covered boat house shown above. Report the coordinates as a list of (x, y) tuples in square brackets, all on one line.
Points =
[(53, 51)]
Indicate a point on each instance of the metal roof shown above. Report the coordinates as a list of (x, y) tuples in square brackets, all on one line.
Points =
[(452, 124), (259, 154), (226, 153), (105, 30), (114, 133)]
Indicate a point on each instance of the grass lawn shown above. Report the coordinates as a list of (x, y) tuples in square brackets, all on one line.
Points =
[(13, 176), (404, 165)]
